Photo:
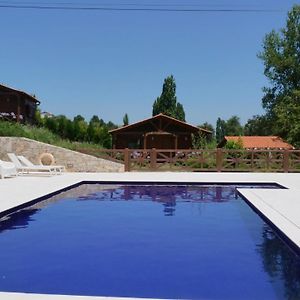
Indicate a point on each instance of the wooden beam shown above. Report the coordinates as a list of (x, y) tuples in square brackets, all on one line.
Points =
[(131, 133), (18, 108), (166, 126), (114, 141), (145, 141), (154, 125)]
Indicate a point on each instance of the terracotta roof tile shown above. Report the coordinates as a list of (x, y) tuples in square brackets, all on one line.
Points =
[(259, 142)]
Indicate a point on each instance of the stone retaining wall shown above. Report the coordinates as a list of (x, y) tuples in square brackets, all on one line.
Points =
[(72, 160)]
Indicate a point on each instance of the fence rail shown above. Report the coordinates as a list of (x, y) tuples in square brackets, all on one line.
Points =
[(218, 160)]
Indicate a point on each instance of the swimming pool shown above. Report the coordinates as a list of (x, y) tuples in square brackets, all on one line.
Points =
[(146, 241)]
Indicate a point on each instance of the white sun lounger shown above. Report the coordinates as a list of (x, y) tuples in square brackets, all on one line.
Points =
[(26, 162), (7, 169), (22, 169)]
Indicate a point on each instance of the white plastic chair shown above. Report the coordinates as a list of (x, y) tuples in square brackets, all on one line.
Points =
[(23, 169), (26, 162), (7, 169)]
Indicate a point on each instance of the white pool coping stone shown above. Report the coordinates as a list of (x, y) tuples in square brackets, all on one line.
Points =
[(281, 207), (23, 296)]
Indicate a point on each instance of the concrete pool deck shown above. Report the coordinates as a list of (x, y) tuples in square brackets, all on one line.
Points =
[(281, 207)]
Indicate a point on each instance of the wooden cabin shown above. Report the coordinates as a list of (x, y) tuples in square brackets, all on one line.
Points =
[(160, 132), (17, 105)]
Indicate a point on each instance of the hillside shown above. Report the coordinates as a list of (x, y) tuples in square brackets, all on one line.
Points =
[(44, 135)]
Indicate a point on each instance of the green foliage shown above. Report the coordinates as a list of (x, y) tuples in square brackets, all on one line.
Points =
[(208, 126), (167, 102), (37, 117), (78, 130), (31, 132), (233, 126), (208, 140), (202, 142), (230, 127), (281, 57), (234, 145), (258, 125), (179, 112), (46, 136), (198, 141), (220, 130), (125, 120), (110, 125), (51, 124), (288, 119)]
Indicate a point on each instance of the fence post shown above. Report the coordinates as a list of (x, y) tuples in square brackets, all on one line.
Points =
[(153, 157), (285, 161), (126, 160), (219, 159)]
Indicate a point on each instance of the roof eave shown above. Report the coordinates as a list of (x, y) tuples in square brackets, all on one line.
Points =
[(155, 117), (23, 93)]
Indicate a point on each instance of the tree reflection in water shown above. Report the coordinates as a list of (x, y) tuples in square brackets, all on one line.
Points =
[(280, 263), (168, 196)]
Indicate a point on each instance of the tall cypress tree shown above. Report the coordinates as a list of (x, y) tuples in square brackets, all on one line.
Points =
[(125, 120), (220, 130), (167, 102)]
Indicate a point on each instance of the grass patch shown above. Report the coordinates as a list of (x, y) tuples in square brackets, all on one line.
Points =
[(44, 135)]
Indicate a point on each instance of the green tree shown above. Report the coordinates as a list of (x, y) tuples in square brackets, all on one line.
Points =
[(51, 124), (92, 129), (258, 125), (125, 120), (80, 128), (210, 137), (281, 58), (233, 126), (230, 127), (38, 120), (95, 119), (64, 127), (97, 132), (207, 126), (167, 102), (179, 112), (105, 137), (110, 125), (220, 130)]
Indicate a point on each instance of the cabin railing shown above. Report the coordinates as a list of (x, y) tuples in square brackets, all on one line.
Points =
[(211, 160)]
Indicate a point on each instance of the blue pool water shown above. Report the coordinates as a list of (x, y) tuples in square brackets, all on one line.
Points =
[(195, 242)]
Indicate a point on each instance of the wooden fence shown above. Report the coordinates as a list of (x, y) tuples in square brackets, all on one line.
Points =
[(218, 160)]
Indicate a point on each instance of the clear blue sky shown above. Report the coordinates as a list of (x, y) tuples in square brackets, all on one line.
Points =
[(114, 62)]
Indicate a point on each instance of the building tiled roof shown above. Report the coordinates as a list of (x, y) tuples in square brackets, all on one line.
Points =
[(260, 142)]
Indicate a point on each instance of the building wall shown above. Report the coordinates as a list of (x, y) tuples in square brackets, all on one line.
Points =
[(72, 160), (184, 141), (9, 104)]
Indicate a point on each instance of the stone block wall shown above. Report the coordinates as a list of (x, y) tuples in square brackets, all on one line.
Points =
[(72, 160)]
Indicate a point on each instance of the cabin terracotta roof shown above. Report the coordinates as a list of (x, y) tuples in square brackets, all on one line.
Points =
[(184, 124), (9, 89), (260, 142)]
